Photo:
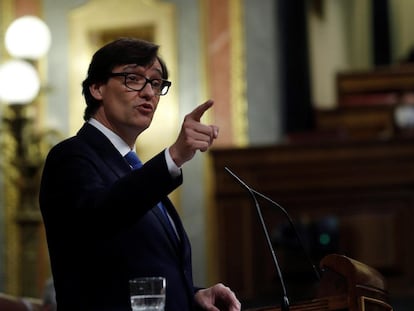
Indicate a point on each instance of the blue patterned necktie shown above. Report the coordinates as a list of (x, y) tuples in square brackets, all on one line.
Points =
[(133, 160), (135, 163)]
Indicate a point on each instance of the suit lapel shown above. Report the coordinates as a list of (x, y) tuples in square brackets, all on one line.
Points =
[(106, 150), (167, 227)]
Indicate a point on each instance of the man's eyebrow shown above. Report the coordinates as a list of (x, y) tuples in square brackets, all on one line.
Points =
[(135, 66), (130, 66), (159, 71)]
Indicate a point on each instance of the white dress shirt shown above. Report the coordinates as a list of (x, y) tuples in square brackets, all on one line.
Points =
[(123, 147)]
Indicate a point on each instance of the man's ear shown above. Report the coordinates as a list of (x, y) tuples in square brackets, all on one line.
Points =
[(95, 90)]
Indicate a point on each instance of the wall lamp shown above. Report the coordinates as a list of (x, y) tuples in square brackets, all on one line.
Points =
[(27, 39)]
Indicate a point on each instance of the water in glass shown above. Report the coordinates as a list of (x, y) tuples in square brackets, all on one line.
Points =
[(148, 302)]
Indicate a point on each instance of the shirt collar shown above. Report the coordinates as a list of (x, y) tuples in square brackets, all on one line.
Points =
[(117, 141)]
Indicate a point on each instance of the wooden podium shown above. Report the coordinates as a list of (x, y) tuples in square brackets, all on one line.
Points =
[(346, 284)]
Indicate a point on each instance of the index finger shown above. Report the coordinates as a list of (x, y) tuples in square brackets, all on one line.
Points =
[(198, 112)]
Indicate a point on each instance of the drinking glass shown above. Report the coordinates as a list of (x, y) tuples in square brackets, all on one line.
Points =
[(147, 293)]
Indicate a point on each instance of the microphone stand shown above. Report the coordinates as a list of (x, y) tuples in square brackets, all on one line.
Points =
[(285, 300), (317, 274)]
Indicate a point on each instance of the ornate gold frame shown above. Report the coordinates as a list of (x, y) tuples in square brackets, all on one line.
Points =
[(238, 117), (238, 74)]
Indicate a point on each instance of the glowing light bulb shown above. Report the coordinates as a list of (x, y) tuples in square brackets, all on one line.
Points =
[(27, 37), (19, 82)]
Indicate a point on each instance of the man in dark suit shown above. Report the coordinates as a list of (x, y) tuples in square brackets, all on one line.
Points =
[(103, 220)]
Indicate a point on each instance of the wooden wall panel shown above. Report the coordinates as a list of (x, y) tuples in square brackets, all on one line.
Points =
[(366, 187)]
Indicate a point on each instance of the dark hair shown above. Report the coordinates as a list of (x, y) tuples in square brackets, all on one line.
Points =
[(119, 52)]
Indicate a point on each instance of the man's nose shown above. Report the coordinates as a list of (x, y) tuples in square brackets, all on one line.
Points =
[(147, 90)]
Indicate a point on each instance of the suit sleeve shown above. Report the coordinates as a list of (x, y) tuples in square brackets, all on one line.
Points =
[(78, 188)]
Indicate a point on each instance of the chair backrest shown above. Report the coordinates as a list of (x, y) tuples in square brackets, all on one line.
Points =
[(12, 303)]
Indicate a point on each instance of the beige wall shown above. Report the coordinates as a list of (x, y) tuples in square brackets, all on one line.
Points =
[(338, 40), (402, 26)]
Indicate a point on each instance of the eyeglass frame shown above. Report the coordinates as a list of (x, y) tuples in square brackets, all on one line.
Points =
[(164, 83)]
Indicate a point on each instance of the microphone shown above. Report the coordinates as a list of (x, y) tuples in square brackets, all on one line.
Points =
[(285, 300)]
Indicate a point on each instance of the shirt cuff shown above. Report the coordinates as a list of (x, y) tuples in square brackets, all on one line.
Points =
[(174, 170)]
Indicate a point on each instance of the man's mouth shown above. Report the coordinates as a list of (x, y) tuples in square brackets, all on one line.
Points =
[(145, 108)]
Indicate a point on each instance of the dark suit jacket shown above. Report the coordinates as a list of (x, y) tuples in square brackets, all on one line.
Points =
[(103, 229)]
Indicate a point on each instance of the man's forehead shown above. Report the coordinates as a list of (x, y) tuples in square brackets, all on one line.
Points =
[(156, 66)]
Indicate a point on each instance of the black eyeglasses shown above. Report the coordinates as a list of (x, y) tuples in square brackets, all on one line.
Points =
[(137, 82)]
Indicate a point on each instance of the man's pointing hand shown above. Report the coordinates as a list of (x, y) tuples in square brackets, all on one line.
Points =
[(193, 136)]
